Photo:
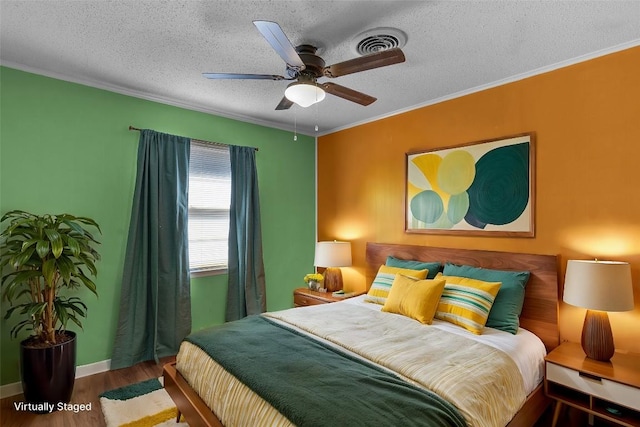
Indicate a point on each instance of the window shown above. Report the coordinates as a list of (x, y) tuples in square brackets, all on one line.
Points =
[(209, 201)]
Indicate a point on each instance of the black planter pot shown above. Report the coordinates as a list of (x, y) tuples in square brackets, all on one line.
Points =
[(48, 373)]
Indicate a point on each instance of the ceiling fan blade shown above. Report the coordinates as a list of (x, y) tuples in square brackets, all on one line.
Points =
[(279, 42), (242, 76), (284, 104), (348, 94), (363, 63)]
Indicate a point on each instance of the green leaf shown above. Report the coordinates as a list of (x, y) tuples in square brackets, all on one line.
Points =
[(67, 269), (17, 328), (88, 282), (49, 271), (42, 248), (76, 321), (74, 302), (71, 307), (10, 288), (28, 243), (21, 259), (35, 309), (10, 311), (74, 226), (73, 245), (15, 224), (56, 241), (86, 260), (88, 221), (78, 310), (20, 277), (61, 311)]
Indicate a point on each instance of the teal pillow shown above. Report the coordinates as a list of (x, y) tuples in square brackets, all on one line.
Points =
[(433, 267), (506, 309)]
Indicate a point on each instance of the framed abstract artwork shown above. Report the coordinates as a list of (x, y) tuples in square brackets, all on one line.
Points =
[(484, 188)]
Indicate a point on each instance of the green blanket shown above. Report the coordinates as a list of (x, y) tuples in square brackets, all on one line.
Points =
[(313, 384)]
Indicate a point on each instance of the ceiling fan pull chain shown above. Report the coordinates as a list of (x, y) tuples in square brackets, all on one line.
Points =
[(316, 110), (316, 128), (295, 125)]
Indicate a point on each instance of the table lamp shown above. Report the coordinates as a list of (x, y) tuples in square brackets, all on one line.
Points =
[(333, 255), (598, 286)]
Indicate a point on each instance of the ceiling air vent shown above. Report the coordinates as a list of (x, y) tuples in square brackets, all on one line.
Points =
[(379, 39)]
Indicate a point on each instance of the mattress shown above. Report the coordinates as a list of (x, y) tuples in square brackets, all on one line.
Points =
[(359, 328)]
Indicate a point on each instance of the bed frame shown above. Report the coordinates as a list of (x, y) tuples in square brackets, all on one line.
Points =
[(539, 315)]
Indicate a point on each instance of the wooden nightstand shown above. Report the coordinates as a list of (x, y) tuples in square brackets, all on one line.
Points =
[(609, 390), (305, 296)]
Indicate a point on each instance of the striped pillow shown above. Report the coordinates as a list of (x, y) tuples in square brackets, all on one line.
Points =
[(466, 302), (381, 285)]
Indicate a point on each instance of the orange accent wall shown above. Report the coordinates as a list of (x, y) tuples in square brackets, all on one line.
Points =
[(587, 123)]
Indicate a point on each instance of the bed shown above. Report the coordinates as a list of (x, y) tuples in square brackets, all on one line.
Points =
[(187, 380)]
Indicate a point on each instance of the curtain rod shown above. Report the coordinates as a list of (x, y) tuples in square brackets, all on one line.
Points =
[(196, 140)]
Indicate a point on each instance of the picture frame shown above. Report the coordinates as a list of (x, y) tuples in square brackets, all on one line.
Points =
[(481, 188)]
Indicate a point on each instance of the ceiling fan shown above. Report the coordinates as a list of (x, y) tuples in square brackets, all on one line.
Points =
[(305, 67)]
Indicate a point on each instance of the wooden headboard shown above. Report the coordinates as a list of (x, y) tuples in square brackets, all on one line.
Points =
[(540, 310)]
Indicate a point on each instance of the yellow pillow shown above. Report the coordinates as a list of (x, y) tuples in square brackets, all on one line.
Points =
[(417, 299), (384, 279), (466, 302)]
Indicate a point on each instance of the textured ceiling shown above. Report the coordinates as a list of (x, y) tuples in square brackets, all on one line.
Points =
[(158, 49)]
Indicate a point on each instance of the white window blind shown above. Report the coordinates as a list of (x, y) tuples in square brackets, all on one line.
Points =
[(209, 201)]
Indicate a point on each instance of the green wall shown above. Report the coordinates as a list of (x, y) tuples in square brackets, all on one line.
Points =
[(65, 147)]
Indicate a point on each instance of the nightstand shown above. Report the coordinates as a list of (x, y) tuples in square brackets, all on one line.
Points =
[(305, 296), (609, 390)]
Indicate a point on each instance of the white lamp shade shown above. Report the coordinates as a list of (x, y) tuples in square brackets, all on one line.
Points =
[(599, 285), (304, 94), (333, 254)]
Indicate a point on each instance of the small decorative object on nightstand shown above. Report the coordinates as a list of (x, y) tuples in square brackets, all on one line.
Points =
[(314, 282), (609, 390), (304, 296)]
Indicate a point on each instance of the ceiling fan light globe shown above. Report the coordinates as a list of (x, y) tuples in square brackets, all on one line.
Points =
[(304, 94)]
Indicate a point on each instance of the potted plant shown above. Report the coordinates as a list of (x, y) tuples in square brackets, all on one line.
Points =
[(46, 256), (314, 281)]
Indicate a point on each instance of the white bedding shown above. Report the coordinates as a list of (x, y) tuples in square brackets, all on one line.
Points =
[(525, 348)]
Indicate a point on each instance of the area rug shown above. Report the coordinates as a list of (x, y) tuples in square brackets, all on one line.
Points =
[(142, 404)]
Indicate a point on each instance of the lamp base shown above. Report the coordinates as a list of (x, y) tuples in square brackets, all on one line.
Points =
[(333, 279), (597, 339)]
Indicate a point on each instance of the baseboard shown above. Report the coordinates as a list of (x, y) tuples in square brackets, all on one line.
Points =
[(12, 389), (9, 390), (93, 368)]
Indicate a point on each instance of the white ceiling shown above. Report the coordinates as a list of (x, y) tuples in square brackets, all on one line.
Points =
[(158, 49)]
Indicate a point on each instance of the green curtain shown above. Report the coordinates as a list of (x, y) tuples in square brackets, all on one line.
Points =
[(155, 302), (246, 287)]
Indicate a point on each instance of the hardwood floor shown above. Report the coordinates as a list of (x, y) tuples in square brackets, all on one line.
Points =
[(88, 389)]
